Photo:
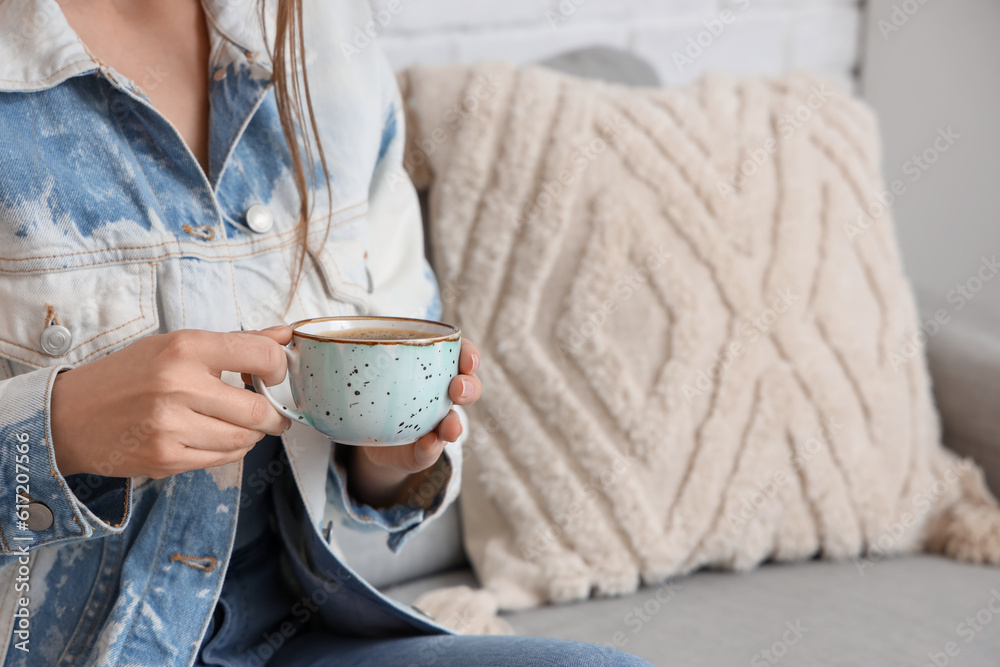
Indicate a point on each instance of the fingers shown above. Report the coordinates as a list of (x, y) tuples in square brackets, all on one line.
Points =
[(199, 459), (468, 360), (465, 389), (450, 428), (239, 407), (426, 451), (208, 434), (281, 334), (410, 458), (239, 352)]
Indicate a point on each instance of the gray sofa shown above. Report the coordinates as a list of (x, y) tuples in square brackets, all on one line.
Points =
[(917, 610)]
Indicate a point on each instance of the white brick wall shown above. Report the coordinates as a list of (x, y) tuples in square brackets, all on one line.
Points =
[(757, 36)]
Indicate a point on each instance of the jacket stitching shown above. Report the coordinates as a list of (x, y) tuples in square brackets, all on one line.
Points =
[(128, 505), (180, 281), (142, 316), (152, 573), (104, 600), (195, 253), (258, 103), (182, 255), (232, 268), (241, 244), (85, 640), (193, 561), (142, 168), (219, 580), (50, 316), (203, 232), (70, 498), (56, 75)]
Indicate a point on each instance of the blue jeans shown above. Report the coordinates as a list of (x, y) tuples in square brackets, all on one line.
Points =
[(254, 626)]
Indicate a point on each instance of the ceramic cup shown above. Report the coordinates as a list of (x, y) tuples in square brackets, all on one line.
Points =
[(369, 392)]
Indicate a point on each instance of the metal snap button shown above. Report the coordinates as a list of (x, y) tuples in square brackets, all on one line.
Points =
[(259, 218), (56, 340), (39, 517)]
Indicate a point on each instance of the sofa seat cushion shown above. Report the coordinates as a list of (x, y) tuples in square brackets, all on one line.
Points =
[(905, 611)]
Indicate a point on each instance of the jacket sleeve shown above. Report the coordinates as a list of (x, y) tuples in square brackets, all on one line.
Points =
[(38, 505), (403, 285)]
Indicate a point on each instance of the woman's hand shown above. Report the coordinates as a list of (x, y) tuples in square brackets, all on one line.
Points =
[(159, 406), (386, 476)]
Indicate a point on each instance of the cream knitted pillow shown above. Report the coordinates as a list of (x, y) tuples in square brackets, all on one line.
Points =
[(693, 344)]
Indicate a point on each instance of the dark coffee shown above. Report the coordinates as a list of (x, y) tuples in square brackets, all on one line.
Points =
[(376, 333)]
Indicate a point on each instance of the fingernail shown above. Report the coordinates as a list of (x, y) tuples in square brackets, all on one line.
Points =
[(277, 326), (466, 388), (475, 362)]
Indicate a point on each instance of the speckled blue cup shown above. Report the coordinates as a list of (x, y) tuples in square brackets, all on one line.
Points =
[(369, 392)]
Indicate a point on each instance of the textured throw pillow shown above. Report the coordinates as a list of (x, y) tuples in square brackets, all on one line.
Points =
[(699, 345)]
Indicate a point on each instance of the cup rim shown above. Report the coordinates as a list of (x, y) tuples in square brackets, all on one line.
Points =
[(454, 334)]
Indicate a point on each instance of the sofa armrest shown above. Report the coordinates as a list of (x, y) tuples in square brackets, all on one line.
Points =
[(964, 361)]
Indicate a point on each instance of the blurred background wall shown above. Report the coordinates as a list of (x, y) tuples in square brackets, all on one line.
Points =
[(760, 35), (929, 65), (924, 65)]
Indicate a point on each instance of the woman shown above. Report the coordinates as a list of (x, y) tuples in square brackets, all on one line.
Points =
[(170, 181)]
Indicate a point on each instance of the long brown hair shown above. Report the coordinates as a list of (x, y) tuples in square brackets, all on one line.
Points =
[(295, 111)]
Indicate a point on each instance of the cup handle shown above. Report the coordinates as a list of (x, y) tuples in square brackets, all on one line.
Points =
[(259, 386)]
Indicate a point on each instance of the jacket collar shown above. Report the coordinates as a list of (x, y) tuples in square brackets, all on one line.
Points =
[(39, 49)]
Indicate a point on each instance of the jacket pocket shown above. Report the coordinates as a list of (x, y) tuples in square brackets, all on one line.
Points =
[(342, 260), (98, 311)]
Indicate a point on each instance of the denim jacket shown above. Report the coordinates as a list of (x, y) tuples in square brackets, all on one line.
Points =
[(111, 231)]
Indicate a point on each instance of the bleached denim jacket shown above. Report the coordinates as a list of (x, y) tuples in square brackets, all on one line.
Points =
[(110, 231)]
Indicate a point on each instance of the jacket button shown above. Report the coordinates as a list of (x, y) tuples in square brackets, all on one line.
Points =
[(39, 517), (56, 340), (259, 218)]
